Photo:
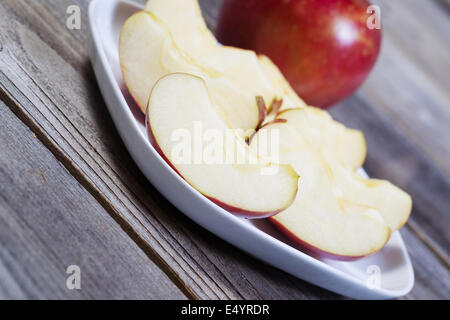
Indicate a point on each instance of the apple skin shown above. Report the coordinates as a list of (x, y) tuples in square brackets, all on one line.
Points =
[(324, 48), (314, 250), (239, 212)]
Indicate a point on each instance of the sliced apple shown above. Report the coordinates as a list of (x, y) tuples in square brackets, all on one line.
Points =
[(336, 230), (393, 203), (281, 85), (253, 187), (320, 130), (173, 37), (252, 73), (336, 213), (342, 149), (184, 18), (324, 222), (148, 52), (242, 67)]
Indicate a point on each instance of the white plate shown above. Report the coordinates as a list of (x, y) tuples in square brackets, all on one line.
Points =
[(257, 238)]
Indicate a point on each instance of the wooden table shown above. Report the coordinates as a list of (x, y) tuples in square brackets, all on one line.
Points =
[(71, 195)]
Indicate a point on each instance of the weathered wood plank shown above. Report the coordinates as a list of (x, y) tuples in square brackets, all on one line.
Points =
[(48, 222), (52, 86)]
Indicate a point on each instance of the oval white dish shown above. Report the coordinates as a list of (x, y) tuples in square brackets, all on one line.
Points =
[(386, 275)]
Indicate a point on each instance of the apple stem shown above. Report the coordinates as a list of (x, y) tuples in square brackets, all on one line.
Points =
[(262, 110), (275, 106)]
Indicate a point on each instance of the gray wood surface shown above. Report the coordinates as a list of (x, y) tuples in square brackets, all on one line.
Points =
[(49, 222), (47, 81)]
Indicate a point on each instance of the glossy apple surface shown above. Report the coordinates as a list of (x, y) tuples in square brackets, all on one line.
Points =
[(324, 48)]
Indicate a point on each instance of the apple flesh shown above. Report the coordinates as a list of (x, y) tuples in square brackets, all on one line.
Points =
[(183, 18), (324, 48), (351, 232), (322, 220), (251, 188), (336, 213)]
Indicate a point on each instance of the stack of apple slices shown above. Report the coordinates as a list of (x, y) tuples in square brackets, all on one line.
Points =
[(197, 143), (148, 52), (171, 36), (250, 72), (337, 213), (183, 79)]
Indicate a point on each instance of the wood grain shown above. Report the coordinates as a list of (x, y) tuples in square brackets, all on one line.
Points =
[(48, 222), (47, 80)]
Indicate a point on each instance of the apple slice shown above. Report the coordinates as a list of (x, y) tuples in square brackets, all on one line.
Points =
[(392, 203), (342, 150), (148, 52), (317, 126), (281, 85), (180, 106), (349, 145), (323, 221), (242, 67), (335, 229), (183, 17), (257, 75)]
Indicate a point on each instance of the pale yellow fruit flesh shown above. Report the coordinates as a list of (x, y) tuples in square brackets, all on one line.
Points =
[(393, 203), (347, 145), (253, 74), (147, 53), (172, 37), (242, 67), (179, 103), (185, 20), (321, 216)]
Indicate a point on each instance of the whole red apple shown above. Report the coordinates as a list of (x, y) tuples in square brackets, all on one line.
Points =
[(323, 47)]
